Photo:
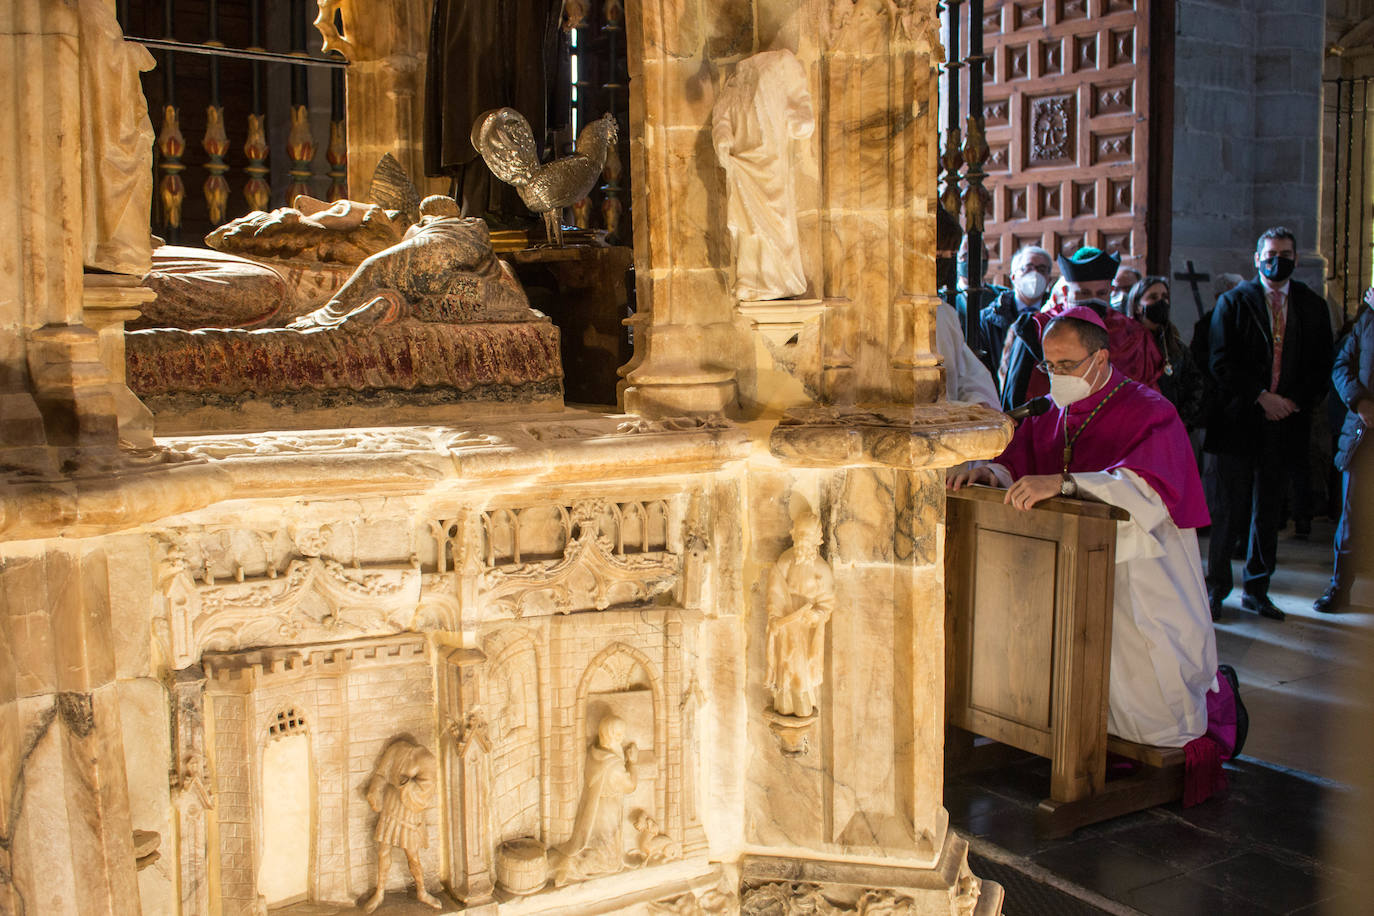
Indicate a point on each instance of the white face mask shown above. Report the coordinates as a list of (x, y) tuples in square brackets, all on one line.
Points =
[(1068, 389), (1031, 286)]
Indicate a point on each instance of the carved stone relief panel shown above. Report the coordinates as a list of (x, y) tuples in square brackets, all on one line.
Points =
[(335, 708), (615, 723), (311, 600), (518, 735), (560, 558)]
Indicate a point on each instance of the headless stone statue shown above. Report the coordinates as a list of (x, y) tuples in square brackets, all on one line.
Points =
[(764, 106), (117, 146)]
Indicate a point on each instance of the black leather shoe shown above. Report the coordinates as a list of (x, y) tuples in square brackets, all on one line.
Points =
[(1332, 600), (1216, 606), (1261, 605)]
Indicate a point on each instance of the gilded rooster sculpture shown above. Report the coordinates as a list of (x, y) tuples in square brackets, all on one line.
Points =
[(506, 143)]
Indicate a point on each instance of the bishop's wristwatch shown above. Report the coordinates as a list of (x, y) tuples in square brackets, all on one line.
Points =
[(1067, 487)]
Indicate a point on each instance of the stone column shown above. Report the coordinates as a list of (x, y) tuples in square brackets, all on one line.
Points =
[(192, 794), (865, 207), (64, 175), (386, 46), (467, 774), (68, 837)]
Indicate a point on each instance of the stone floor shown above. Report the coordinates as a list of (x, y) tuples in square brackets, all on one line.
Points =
[(1261, 848)]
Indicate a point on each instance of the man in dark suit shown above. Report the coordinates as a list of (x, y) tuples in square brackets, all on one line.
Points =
[(1270, 356)]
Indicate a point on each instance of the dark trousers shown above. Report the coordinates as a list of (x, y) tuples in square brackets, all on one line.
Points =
[(1356, 483), (1249, 496)]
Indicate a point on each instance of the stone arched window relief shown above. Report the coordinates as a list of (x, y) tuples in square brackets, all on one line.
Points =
[(542, 532), (500, 531), (285, 809)]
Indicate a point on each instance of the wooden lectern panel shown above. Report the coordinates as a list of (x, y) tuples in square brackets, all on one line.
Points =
[(1012, 629), (1028, 616)]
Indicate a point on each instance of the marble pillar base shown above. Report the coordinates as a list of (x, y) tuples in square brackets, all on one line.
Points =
[(770, 884)]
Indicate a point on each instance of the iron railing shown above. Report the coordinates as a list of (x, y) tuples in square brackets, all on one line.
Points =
[(1349, 260), (255, 69), (601, 85)]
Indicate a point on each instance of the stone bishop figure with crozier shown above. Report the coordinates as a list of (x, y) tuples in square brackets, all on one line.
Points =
[(801, 598)]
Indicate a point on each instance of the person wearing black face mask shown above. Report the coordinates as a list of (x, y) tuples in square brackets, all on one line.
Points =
[(1182, 383), (1270, 353)]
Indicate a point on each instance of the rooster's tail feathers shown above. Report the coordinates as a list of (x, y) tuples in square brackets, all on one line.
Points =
[(506, 143)]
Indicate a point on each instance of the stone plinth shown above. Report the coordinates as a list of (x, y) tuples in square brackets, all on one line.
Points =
[(494, 592)]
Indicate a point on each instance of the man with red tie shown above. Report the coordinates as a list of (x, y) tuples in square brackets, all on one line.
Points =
[(1269, 348)]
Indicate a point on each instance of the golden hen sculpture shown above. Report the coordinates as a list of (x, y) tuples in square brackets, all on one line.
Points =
[(506, 143)]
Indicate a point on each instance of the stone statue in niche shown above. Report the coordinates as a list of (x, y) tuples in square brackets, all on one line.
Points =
[(401, 790), (597, 844), (116, 145), (763, 107), (801, 597)]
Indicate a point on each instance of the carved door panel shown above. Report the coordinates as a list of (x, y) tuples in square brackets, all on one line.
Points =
[(1068, 125)]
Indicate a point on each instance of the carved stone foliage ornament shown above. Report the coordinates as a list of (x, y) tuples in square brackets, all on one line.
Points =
[(787, 899), (312, 600), (598, 566)]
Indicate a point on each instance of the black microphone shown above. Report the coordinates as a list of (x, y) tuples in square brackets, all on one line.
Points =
[(1032, 408)]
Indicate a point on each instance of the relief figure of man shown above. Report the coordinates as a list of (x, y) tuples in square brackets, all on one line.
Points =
[(597, 844), (401, 790), (801, 597)]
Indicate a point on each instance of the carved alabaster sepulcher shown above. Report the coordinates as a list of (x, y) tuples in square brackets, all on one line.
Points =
[(317, 315), (213, 647)]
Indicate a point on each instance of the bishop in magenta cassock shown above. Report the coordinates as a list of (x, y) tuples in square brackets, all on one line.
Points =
[(1116, 441)]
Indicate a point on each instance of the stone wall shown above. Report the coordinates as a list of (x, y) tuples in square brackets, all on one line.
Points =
[(1247, 112)]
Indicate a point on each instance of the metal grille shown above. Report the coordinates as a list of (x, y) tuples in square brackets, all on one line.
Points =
[(1350, 260), (249, 110), (600, 85)]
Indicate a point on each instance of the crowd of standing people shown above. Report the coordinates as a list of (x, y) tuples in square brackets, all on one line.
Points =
[(1263, 365)]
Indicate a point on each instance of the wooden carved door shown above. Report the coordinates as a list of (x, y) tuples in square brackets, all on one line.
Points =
[(1071, 126)]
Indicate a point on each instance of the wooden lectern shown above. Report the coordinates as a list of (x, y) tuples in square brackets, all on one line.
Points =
[(1028, 635)]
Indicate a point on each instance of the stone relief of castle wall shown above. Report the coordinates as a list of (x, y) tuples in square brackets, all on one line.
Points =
[(321, 642), (347, 703)]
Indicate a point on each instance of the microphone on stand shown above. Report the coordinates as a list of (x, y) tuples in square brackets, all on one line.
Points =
[(1032, 408)]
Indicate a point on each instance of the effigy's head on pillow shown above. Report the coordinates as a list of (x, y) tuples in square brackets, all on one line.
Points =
[(342, 232)]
